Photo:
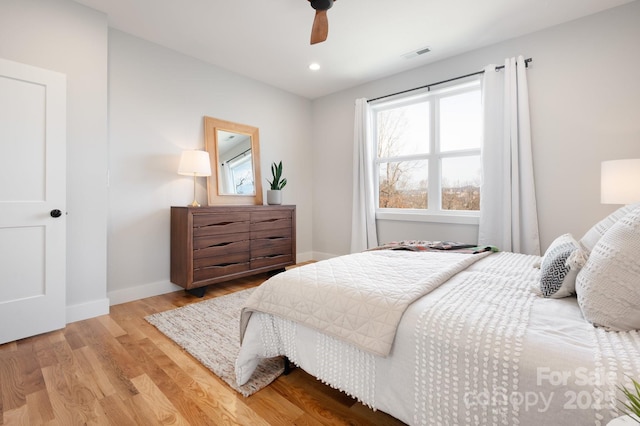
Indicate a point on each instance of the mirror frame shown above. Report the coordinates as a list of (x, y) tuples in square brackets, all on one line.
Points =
[(211, 125)]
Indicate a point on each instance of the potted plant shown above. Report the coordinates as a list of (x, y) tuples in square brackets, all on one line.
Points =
[(274, 195), (631, 406)]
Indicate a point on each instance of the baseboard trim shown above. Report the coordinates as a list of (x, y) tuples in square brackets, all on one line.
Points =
[(83, 311), (323, 256), (142, 291), (304, 257)]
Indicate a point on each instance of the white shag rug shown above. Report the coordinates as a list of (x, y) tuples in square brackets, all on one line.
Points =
[(210, 332)]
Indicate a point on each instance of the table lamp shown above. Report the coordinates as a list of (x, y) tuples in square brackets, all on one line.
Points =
[(620, 181), (194, 163)]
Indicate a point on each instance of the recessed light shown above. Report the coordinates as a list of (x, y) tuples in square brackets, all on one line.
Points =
[(314, 66)]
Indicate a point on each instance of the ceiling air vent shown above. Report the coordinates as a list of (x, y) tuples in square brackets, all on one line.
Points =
[(416, 53)]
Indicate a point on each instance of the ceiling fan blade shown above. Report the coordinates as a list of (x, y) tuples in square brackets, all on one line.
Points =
[(320, 28)]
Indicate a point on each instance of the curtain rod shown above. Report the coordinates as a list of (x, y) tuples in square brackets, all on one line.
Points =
[(427, 86), (239, 155)]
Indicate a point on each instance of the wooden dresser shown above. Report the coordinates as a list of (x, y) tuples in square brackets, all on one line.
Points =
[(219, 243)]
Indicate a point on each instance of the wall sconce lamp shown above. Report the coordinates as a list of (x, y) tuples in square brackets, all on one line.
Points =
[(620, 181), (194, 163)]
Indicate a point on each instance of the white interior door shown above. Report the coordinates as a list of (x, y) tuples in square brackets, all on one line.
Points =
[(32, 186)]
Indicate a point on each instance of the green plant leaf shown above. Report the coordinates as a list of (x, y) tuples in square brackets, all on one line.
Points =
[(278, 181), (632, 405)]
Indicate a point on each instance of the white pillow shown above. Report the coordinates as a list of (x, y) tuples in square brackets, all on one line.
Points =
[(596, 232), (608, 286), (559, 267)]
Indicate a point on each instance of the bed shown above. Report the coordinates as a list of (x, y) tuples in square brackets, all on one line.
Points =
[(463, 338)]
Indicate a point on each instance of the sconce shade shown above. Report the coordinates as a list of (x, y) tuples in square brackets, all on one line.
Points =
[(194, 163), (620, 181)]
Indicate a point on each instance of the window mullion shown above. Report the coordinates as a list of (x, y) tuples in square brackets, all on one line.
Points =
[(403, 158), (434, 161), (461, 153)]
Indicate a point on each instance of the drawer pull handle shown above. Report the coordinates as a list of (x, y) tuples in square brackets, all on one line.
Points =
[(271, 220), (220, 245), (216, 224), (214, 245), (220, 265)]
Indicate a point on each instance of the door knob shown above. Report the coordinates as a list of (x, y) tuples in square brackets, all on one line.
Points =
[(55, 213)]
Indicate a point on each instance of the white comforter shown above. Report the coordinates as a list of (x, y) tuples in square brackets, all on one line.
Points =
[(359, 298), (480, 349)]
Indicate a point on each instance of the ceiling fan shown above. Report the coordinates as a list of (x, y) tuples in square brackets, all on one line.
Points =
[(320, 28)]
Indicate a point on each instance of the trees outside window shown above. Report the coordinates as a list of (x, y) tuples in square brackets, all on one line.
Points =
[(428, 151)]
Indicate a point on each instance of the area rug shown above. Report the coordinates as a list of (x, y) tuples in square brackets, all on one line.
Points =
[(210, 332)]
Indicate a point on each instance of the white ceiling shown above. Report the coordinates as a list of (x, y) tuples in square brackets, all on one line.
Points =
[(268, 40)]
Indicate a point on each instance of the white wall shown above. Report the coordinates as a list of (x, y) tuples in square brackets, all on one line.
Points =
[(584, 88), (157, 100), (64, 36)]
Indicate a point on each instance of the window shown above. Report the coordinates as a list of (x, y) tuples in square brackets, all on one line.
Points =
[(428, 153), (236, 174), (241, 170)]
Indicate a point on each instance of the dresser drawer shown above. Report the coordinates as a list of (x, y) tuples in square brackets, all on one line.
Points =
[(222, 260), (280, 259), (220, 241), (271, 233), (219, 271), (222, 250), (277, 219), (220, 223), (270, 247), (217, 266)]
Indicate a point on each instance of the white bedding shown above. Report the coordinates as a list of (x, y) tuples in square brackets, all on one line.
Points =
[(480, 349), (359, 298)]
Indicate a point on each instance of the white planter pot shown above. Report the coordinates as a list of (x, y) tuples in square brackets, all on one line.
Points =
[(274, 196), (623, 421)]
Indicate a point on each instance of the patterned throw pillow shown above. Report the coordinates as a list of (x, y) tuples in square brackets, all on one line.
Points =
[(559, 268), (608, 286)]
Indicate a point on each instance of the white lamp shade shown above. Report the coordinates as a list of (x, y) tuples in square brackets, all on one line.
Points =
[(620, 181), (195, 163)]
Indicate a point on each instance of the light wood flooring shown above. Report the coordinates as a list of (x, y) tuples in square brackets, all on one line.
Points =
[(118, 369)]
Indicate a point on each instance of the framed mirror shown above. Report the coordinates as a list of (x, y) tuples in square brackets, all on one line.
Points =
[(234, 151)]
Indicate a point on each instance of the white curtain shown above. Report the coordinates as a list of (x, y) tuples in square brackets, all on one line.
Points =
[(227, 178), (508, 215), (363, 221)]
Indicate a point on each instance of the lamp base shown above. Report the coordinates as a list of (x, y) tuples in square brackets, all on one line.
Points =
[(195, 199)]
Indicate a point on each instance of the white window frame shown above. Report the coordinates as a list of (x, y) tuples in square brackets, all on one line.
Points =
[(235, 163), (434, 212)]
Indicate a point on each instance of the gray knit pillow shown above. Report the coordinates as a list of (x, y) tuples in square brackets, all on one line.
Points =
[(559, 267), (608, 286), (591, 237)]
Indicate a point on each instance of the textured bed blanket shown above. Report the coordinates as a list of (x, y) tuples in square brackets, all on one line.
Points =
[(480, 349), (359, 298)]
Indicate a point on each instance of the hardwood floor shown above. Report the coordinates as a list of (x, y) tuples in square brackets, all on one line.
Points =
[(118, 369)]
